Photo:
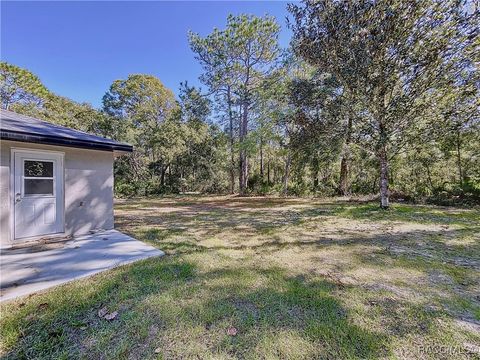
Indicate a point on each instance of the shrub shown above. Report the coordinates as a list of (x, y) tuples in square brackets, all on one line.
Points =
[(123, 189)]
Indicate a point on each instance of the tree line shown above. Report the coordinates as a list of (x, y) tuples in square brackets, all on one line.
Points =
[(371, 97)]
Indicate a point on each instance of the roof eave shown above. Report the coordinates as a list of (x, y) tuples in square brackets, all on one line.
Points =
[(60, 141)]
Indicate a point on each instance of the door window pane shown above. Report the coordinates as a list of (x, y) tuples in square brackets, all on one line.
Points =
[(33, 168), (38, 187)]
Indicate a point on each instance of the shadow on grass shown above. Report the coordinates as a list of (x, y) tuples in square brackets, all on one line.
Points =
[(208, 202), (410, 213), (427, 245), (453, 266), (289, 305), (186, 308), (266, 219)]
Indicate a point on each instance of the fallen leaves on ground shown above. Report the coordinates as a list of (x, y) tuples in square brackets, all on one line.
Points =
[(103, 313), (42, 306), (232, 331), (111, 316)]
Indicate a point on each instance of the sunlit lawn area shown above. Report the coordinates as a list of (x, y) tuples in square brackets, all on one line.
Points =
[(269, 278)]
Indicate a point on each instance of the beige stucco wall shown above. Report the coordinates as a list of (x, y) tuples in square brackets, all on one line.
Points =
[(88, 189)]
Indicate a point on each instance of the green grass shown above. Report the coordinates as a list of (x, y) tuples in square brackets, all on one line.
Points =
[(296, 279), (411, 213)]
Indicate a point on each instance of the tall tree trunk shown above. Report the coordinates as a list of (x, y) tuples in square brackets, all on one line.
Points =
[(261, 158), (343, 186), (382, 155), (345, 163), (268, 171), (162, 177), (384, 201), (459, 158), (232, 156), (243, 181), (429, 177), (286, 174), (243, 177)]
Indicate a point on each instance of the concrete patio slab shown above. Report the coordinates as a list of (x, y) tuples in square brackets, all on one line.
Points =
[(29, 270)]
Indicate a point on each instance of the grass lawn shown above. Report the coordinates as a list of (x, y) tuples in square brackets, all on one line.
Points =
[(269, 278)]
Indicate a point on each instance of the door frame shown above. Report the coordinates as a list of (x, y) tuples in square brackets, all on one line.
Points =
[(61, 154)]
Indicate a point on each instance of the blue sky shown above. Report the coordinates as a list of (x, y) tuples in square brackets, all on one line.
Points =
[(78, 48)]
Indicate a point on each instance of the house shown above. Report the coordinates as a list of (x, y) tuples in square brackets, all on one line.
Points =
[(54, 181)]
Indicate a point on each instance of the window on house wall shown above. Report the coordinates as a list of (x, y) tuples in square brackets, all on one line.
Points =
[(38, 177)]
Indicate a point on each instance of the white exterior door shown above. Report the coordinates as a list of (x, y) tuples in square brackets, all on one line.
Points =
[(38, 193)]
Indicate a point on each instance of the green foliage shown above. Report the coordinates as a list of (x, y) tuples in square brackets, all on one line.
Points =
[(176, 149), (236, 62), (372, 96), (396, 63), (125, 189), (20, 86), (23, 92)]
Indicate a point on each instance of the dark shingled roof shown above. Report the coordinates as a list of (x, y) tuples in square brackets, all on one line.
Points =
[(23, 128)]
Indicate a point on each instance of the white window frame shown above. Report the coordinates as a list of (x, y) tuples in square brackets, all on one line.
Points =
[(53, 177)]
